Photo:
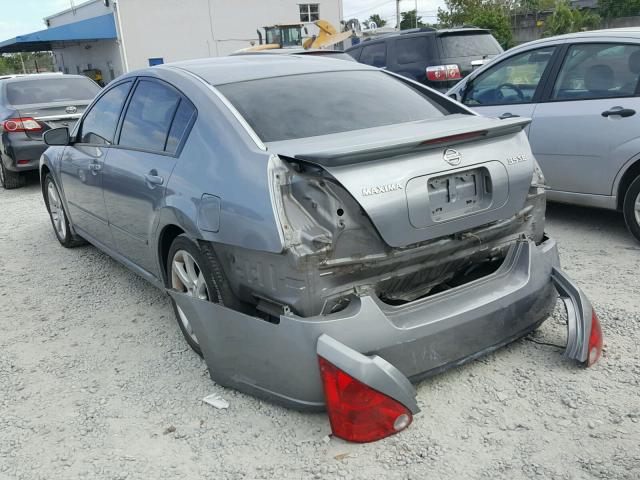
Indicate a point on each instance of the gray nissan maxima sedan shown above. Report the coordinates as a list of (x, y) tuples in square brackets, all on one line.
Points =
[(328, 232)]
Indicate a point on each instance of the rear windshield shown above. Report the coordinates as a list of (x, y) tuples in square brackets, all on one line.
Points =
[(308, 105), (469, 45), (49, 90)]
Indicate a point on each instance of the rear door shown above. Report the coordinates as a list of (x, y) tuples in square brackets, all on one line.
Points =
[(137, 170), (582, 134), (82, 164), (512, 86)]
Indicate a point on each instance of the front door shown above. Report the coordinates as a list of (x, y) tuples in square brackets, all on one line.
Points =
[(580, 135), (512, 86), (83, 162), (138, 169)]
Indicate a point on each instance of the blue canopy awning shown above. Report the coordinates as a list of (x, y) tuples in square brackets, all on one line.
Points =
[(96, 28)]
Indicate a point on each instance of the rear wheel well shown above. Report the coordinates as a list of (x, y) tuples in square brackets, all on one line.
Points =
[(629, 176), (168, 235)]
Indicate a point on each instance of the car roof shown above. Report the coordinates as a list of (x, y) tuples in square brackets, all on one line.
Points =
[(241, 68), (287, 51), (627, 32), (414, 32), (38, 76)]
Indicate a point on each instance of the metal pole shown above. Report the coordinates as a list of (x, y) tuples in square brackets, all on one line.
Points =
[(398, 14), (416, 13)]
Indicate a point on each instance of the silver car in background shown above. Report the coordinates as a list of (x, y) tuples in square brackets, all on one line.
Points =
[(327, 231), (582, 92)]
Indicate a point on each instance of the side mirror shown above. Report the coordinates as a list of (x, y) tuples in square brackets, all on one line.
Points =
[(57, 137)]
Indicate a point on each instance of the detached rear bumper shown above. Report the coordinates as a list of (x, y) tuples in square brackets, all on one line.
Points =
[(280, 361)]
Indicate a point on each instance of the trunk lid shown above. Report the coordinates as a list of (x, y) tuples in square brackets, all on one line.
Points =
[(423, 180), (53, 115)]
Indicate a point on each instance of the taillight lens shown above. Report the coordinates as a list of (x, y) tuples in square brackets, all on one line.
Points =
[(357, 412), (442, 73), (595, 341), (25, 124)]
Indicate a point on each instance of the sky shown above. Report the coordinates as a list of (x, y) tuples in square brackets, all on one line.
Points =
[(18, 17), (361, 9)]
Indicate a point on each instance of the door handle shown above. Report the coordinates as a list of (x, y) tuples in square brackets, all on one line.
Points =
[(95, 167), (622, 112), (153, 179), (506, 115)]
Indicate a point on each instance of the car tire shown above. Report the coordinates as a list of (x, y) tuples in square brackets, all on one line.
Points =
[(206, 264), (9, 179), (58, 215), (631, 208)]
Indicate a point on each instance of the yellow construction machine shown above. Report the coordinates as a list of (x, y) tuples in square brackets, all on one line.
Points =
[(290, 35)]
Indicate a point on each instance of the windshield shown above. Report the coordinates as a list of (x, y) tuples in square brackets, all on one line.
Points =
[(469, 45), (299, 106), (50, 90)]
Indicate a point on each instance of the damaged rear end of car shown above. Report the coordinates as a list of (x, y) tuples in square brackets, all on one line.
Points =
[(407, 248)]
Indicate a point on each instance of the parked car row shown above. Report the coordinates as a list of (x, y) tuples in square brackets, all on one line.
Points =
[(29, 106)]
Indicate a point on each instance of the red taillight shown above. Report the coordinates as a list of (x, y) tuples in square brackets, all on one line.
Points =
[(22, 162), (26, 124), (455, 138), (595, 341), (357, 412), (442, 73)]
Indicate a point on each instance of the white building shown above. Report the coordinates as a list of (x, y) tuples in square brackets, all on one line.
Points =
[(118, 36)]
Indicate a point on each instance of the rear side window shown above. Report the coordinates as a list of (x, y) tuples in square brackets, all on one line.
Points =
[(149, 115), (375, 55), (99, 125), (50, 90), (412, 50), (598, 70), (181, 122), (469, 45), (355, 53), (298, 106)]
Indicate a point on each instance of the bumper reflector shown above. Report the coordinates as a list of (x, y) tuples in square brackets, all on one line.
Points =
[(22, 162), (357, 412), (595, 341)]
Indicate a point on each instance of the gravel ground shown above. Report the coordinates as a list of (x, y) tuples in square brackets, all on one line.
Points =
[(97, 382)]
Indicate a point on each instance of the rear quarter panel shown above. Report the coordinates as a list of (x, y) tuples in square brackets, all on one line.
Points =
[(219, 159)]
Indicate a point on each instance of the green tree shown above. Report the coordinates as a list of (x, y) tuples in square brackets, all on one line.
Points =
[(33, 63), (567, 20), (619, 8), (410, 19), (377, 19), (490, 14)]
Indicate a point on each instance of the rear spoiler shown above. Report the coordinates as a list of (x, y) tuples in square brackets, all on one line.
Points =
[(415, 141)]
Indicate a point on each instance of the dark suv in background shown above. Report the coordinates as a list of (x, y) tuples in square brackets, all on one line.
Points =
[(436, 58), (29, 106)]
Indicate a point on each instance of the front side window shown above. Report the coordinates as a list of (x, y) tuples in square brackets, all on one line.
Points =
[(149, 115), (601, 70), (512, 81), (309, 12), (281, 108), (375, 55), (99, 125)]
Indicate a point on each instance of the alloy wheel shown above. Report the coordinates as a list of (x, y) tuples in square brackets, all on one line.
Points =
[(636, 209), (56, 211), (188, 278)]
